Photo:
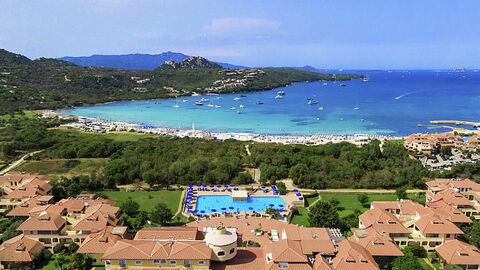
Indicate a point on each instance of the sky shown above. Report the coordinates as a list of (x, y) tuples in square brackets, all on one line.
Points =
[(383, 34)]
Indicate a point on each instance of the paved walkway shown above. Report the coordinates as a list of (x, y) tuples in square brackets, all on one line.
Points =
[(18, 162)]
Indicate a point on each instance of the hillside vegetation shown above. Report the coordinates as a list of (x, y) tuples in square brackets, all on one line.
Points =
[(50, 83)]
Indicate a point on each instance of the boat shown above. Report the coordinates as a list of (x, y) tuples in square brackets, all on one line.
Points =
[(342, 84), (198, 103), (243, 96), (341, 119), (320, 108), (236, 98), (312, 102), (259, 103), (239, 112), (281, 93), (233, 108), (195, 94), (203, 99), (210, 105), (218, 106), (242, 106), (366, 79), (278, 97), (356, 108), (185, 100), (176, 106), (324, 83)]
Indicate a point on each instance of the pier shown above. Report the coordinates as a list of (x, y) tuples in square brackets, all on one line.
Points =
[(456, 122)]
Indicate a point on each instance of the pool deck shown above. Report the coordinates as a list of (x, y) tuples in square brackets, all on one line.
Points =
[(290, 199)]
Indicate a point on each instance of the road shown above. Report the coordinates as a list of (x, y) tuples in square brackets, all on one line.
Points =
[(18, 162)]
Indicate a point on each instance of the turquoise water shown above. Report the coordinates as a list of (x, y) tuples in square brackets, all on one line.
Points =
[(391, 103), (217, 202)]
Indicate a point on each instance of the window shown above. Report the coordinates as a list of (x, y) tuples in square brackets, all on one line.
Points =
[(186, 263), (138, 262), (424, 243), (201, 262), (122, 263), (282, 265), (173, 262), (156, 261), (108, 262), (232, 251), (221, 253), (163, 261)]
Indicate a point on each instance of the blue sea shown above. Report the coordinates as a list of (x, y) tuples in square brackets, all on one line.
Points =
[(390, 103)]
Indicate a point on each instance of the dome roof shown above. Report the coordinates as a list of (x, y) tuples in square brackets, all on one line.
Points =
[(220, 237)]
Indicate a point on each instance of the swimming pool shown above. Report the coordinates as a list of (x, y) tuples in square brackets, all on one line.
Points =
[(225, 203)]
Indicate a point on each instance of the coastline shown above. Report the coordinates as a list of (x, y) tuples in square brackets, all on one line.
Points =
[(103, 126)]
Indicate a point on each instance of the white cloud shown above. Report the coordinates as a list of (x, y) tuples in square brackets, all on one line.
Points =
[(241, 27)]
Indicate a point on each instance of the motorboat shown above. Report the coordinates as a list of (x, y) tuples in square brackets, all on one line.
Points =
[(320, 108), (233, 108), (242, 106), (176, 106), (236, 98), (198, 103), (259, 103), (281, 93), (210, 105), (278, 97), (356, 108), (312, 102)]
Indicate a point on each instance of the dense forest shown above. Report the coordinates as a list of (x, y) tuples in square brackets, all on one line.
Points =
[(50, 83), (169, 160)]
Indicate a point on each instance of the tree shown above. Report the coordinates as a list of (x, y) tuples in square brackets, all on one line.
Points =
[(363, 199), (401, 193), (161, 214), (72, 248), (80, 261), (58, 248), (407, 262), (453, 267), (418, 251), (61, 261), (324, 214), (272, 212), (472, 233), (282, 189), (130, 207)]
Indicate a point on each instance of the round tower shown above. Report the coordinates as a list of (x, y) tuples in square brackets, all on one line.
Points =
[(223, 243)]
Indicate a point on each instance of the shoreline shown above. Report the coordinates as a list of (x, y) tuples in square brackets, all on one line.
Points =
[(104, 126)]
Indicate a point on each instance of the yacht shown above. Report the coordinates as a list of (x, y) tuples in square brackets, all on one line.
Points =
[(195, 94), (176, 106), (236, 98), (259, 103), (312, 102), (239, 112), (324, 83), (242, 106), (320, 108), (281, 93), (278, 96), (341, 119), (198, 103)]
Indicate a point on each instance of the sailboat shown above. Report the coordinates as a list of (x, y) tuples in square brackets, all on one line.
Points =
[(366, 78), (242, 106)]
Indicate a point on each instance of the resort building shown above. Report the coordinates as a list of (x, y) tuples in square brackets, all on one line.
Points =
[(18, 188), (459, 253), (408, 222), (24, 208), (425, 144), (19, 249), (95, 244), (462, 194)]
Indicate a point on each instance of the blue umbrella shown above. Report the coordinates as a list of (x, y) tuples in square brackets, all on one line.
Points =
[(204, 185), (226, 186), (223, 208), (263, 187), (198, 185), (186, 202), (281, 210), (190, 207), (202, 211), (190, 185), (295, 190), (274, 187), (280, 205), (231, 207), (251, 208), (271, 205), (214, 210), (235, 188), (232, 185), (195, 211), (298, 194), (219, 186)]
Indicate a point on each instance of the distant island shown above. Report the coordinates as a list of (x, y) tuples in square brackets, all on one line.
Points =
[(46, 83)]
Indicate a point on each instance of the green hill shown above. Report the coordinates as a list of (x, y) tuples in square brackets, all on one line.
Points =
[(50, 83)]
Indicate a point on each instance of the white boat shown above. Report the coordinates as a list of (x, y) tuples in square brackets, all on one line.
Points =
[(366, 79), (320, 108), (233, 108), (203, 99), (341, 119), (176, 106), (356, 108), (312, 102), (281, 93), (185, 100), (195, 94), (241, 106), (198, 103), (239, 112), (278, 97), (324, 83), (210, 105), (218, 106), (236, 98)]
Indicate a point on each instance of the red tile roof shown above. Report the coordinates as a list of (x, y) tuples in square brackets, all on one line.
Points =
[(352, 256), (19, 249), (458, 252)]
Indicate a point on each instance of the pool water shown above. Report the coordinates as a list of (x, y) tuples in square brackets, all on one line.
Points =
[(256, 203)]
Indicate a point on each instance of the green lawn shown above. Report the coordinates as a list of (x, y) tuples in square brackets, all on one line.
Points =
[(26, 114), (123, 136), (64, 167), (302, 217), (147, 199), (350, 202)]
